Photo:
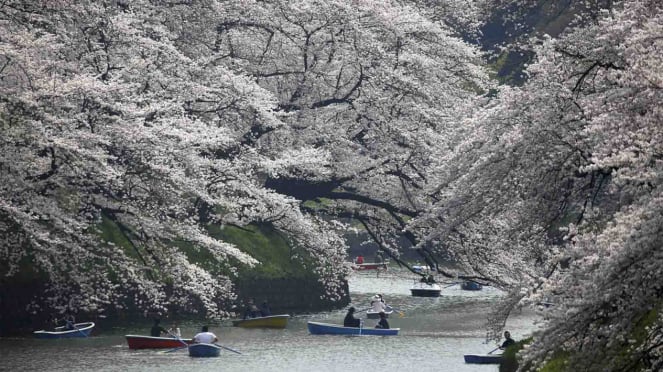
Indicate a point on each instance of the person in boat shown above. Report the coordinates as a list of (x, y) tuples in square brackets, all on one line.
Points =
[(157, 330), (508, 342), (428, 279), (383, 324), (378, 257), (377, 304), (175, 331), (264, 309), (350, 320), (360, 259), (205, 336), (69, 322), (252, 310)]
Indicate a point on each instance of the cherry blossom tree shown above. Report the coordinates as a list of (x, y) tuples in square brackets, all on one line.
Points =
[(376, 85), (105, 119), (554, 193)]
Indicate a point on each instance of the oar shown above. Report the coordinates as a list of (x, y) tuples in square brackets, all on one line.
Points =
[(79, 330), (178, 338), (401, 313), (179, 347), (361, 324), (494, 350), (227, 348), (175, 349)]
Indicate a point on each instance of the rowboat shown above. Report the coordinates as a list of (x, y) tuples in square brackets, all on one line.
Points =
[(149, 342), (204, 350), (376, 314), (80, 330), (370, 266), (272, 321), (470, 286), (420, 268), (317, 328), (421, 289), (483, 358)]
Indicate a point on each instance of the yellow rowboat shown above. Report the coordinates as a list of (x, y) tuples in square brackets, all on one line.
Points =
[(272, 321)]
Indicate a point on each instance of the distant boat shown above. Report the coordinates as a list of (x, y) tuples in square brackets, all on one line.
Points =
[(317, 328), (370, 314), (469, 285), (420, 268), (272, 321), (422, 289), (80, 330), (149, 342), (370, 266), (483, 358), (204, 350)]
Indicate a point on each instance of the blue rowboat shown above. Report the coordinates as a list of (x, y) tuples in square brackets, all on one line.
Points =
[(80, 330), (470, 286), (204, 350), (483, 358), (317, 328)]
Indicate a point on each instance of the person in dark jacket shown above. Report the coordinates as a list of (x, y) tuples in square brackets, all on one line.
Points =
[(383, 321), (157, 330), (508, 342), (264, 309), (252, 310), (350, 320)]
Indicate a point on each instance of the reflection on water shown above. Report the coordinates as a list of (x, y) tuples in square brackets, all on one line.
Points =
[(435, 333)]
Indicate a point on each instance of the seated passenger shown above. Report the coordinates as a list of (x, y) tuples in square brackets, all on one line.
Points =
[(350, 320)]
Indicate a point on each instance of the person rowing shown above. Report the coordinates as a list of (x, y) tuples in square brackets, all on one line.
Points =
[(205, 337), (157, 329), (350, 320), (377, 304), (382, 324)]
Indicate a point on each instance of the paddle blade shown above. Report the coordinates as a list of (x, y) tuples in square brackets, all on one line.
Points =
[(401, 314)]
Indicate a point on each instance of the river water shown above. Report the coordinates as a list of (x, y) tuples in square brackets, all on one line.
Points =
[(435, 333)]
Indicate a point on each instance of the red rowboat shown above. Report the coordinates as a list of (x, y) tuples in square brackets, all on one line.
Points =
[(149, 342)]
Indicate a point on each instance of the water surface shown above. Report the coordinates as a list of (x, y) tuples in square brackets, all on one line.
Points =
[(435, 333)]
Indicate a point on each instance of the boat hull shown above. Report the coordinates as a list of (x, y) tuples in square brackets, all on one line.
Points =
[(471, 286), (317, 328), (482, 358), (149, 342), (272, 321), (370, 314), (82, 330), (370, 266), (204, 350), (425, 290)]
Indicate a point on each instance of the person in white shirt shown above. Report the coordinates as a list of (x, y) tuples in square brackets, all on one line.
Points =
[(205, 337), (175, 331), (377, 304)]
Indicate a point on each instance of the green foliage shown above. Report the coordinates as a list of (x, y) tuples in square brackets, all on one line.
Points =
[(267, 246), (509, 361), (109, 232), (559, 363)]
